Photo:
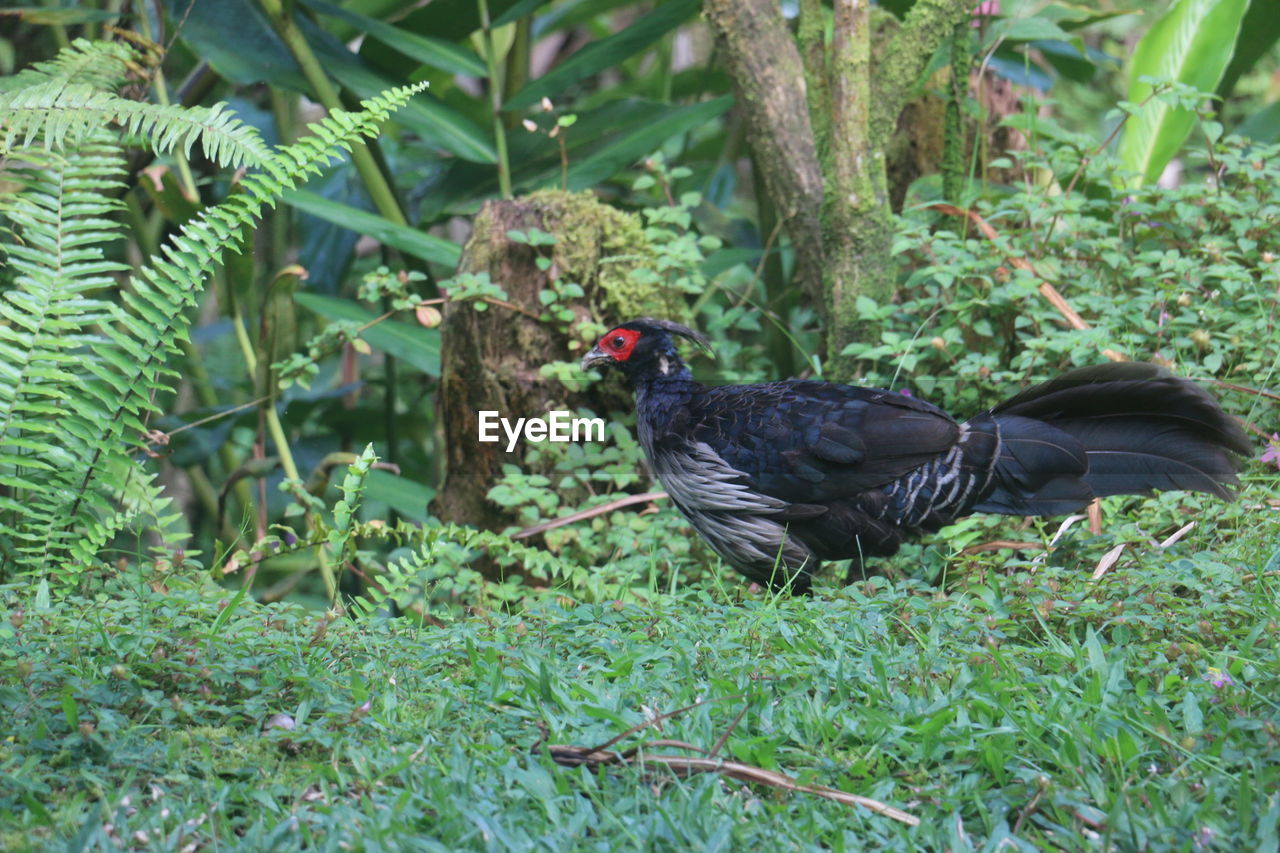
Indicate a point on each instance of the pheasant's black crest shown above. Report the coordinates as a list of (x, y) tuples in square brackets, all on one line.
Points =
[(780, 476)]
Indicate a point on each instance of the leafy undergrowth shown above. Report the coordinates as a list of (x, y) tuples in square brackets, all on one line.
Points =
[(1027, 703)]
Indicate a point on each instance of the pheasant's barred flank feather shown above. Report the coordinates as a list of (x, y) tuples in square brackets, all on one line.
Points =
[(781, 476), (83, 361)]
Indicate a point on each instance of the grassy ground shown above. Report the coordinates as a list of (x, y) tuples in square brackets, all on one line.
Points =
[(1028, 706)]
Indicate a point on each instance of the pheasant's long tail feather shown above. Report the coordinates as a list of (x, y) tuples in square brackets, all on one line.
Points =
[(1113, 429)]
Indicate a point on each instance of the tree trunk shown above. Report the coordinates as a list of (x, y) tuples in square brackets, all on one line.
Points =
[(821, 125), (490, 359), (769, 79)]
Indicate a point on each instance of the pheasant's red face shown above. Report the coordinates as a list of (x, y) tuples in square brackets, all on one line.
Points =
[(619, 343)]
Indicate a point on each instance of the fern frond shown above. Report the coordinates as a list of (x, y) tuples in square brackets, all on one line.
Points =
[(441, 562), (82, 362), (99, 64), (49, 315), (159, 295), (61, 114)]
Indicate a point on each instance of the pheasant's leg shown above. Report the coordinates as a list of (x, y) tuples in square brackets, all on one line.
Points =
[(857, 564), (857, 571)]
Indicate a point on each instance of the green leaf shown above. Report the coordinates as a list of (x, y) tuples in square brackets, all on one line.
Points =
[(518, 11), (410, 240), (452, 19), (42, 600), (225, 614), (1035, 28), (726, 259), (237, 40), (407, 497), (1192, 715), (1258, 34), (606, 53), (1071, 17), (436, 123), (437, 53), (629, 147), (1191, 44), (602, 142), (411, 343), (1069, 62), (69, 709)]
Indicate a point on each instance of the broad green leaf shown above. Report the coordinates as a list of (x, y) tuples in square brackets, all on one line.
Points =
[(1066, 60), (606, 52), (1034, 28), (452, 20), (1072, 17), (516, 12), (1191, 44), (1258, 34), (380, 9), (237, 40), (603, 140), (581, 13), (420, 244), (69, 709), (1192, 714), (437, 53), (726, 259), (629, 147), (436, 123), (1018, 69), (405, 496), (411, 343)]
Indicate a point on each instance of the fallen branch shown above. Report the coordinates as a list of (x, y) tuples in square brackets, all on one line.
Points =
[(1245, 389), (683, 765), (1001, 545), (582, 515)]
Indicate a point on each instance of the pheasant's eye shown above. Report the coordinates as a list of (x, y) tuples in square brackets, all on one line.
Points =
[(619, 343)]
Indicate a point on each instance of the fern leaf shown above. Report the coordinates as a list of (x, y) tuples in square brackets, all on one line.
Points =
[(164, 291), (62, 114), (102, 65), (83, 362)]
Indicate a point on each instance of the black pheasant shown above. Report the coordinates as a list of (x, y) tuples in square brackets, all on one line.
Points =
[(780, 476)]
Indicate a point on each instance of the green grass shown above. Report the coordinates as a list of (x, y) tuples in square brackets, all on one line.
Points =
[(1027, 705)]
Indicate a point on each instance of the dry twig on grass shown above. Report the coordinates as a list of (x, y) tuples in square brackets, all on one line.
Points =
[(705, 762)]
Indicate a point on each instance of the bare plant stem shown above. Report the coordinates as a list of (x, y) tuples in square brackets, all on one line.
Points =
[(375, 182), (495, 100)]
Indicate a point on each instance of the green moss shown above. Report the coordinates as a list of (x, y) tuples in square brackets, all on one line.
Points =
[(601, 248)]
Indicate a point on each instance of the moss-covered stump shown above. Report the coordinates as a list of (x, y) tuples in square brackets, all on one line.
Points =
[(491, 359)]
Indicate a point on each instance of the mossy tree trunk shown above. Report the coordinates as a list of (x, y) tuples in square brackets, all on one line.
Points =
[(822, 115), (490, 359)]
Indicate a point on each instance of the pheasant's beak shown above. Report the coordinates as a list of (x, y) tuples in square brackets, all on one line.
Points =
[(597, 357)]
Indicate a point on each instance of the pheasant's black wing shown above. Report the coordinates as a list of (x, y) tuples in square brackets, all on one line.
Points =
[(814, 442)]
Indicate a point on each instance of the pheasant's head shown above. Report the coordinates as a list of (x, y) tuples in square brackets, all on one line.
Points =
[(642, 349)]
